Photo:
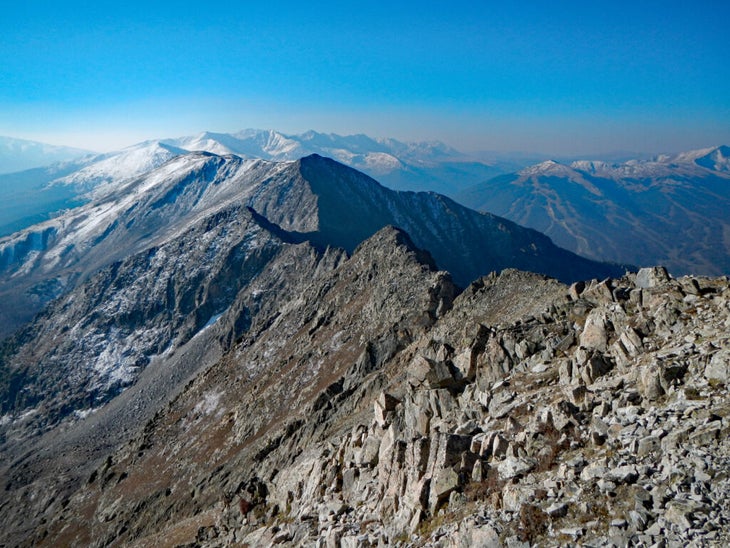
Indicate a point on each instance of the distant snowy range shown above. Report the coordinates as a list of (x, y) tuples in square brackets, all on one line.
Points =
[(672, 210), (69, 177)]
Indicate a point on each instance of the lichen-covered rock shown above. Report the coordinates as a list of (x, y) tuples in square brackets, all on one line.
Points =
[(719, 367), (651, 277)]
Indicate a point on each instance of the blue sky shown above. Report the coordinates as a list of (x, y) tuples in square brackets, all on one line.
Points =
[(550, 77)]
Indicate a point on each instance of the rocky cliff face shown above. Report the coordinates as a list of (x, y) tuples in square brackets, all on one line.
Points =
[(93, 342), (370, 404)]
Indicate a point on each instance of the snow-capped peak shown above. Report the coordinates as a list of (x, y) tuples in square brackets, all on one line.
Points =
[(121, 166), (548, 167), (591, 166), (205, 142), (713, 158), (718, 159), (551, 168), (686, 157)]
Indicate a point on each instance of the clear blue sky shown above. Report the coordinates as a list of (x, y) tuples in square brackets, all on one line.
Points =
[(553, 77)]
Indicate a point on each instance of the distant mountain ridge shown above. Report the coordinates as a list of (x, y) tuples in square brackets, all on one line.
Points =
[(617, 211), (314, 198), (22, 154), (670, 210), (399, 165), (33, 196), (276, 146)]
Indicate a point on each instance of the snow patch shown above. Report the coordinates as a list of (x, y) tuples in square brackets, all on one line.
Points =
[(83, 413), (209, 404), (212, 321), (28, 414)]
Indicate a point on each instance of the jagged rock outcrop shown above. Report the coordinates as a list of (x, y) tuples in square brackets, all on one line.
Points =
[(310, 317), (375, 408)]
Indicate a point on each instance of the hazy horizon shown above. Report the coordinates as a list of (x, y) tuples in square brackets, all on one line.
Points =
[(482, 154), (572, 80)]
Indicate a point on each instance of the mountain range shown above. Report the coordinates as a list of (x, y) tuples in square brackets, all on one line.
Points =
[(313, 198), (38, 194), (398, 165), (216, 349), (671, 210)]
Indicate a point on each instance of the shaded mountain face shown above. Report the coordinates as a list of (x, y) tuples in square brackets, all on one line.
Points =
[(462, 242), (671, 210), (313, 199)]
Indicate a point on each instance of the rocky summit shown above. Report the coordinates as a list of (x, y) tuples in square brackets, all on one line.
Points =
[(368, 401)]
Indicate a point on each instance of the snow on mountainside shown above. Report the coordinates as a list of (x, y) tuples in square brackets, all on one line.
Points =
[(401, 166), (690, 163), (696, 163), (48, 259), (21, 154), (669, 210), (120, 166), (717, 159), (30, 197), (328, 201), (35, 195)]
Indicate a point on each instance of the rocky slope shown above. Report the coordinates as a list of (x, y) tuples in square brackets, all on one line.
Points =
[(671, 210), (92, 343), (370, 403), (313, 198)]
